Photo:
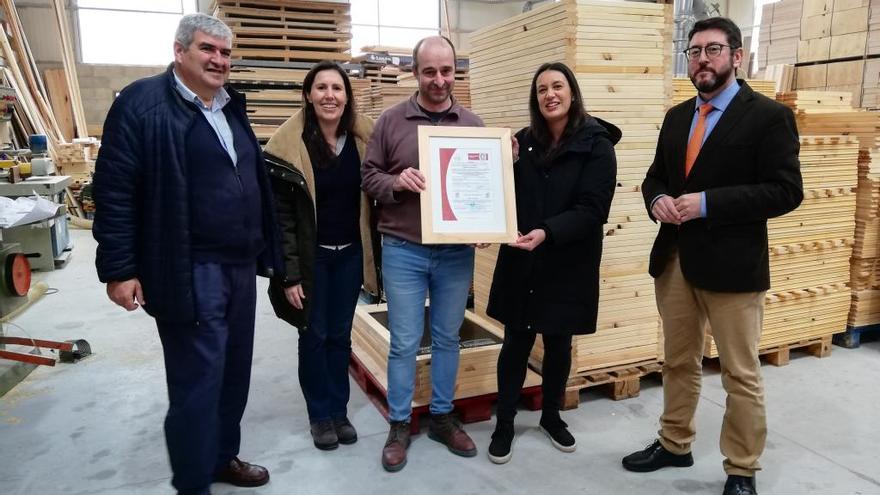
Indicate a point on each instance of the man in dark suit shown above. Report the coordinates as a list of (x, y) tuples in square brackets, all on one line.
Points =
[(726, 161), (185, 223)]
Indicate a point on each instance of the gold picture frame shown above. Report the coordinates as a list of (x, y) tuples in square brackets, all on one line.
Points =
[(470, 195)]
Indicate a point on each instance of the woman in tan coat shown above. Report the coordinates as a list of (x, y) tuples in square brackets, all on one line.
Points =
[(314, 163)]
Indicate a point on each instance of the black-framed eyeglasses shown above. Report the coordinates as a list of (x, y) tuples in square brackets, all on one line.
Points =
[(712, 50)]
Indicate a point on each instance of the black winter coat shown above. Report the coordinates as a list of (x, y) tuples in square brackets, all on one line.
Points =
[(555, 288), (142, 217)]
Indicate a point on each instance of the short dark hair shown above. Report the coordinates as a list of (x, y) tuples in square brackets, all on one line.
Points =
[(577, 114), (314, 140), (728, 27), (415, 55)]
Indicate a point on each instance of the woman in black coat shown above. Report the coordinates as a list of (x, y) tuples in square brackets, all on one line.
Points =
[(547, 281)]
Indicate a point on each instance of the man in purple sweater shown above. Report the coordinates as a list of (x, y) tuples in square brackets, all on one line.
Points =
[(412, 270)]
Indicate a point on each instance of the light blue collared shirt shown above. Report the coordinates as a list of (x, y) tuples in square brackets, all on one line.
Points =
[(719, 105), (214, 115)]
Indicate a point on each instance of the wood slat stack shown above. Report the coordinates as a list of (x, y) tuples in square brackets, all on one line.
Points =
[(783, 74), (779, 33), (833, 30), (810, 248), (620, 52), (77, 159), (683, 89), (274, 43), (865, 269)]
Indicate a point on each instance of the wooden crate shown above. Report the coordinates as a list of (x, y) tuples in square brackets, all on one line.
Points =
[(371, 341), (621, 54)]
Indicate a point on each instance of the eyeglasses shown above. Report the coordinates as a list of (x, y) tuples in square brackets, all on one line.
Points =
[(712, 50)]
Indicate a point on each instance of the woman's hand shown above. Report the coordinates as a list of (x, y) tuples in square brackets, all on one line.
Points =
[(295, 295), (531, 240)]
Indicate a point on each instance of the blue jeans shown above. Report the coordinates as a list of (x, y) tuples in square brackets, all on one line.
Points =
[(325, 346), (208, 370), (410, 272)]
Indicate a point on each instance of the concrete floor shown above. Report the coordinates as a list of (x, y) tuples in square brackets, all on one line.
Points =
[(95, 427)]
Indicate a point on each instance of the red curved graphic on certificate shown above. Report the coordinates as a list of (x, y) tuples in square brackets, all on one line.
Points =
[(445, 158)]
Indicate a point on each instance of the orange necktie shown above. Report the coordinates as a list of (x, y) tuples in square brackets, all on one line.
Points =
[(696, 141)]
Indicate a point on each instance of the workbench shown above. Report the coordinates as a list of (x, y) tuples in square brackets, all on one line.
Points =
[(46, 243)]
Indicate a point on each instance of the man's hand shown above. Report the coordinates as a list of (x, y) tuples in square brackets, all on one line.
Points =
[(409, 180), (530, 241), (664, 210), (126, 293), (688, 206), (515, 148), (295, 295)]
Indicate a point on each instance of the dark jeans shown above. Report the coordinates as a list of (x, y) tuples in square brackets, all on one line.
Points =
[(325, 346), (208, 370), (513, 361)]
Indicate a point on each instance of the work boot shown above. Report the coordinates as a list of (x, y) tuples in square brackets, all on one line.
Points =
[(345, 431), (324, 435), (394, 452), (446, 429)]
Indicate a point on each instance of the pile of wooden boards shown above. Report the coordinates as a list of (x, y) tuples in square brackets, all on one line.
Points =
[(837, 45), (274, 44), (683, 89), (810, 248), (865, 126), (77, 159), (621, 54)]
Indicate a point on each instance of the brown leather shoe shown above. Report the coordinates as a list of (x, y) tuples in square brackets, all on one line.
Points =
[(240, 473), (446, 429), (394, 452)]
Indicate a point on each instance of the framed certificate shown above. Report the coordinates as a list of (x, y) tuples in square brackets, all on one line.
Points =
[(469, 196)]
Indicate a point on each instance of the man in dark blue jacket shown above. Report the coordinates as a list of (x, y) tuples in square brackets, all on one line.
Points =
[(184, 224)]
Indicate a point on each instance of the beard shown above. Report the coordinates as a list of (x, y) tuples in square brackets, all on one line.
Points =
[(713, 83), (434, 96)]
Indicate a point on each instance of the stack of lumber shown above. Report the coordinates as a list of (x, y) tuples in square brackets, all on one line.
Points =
[(783, 74), (779, 33), (833, 30), (834, 76), (77, 159), (683, 89), (865, 270), (810, 248), (818, 101), (620, 52), (274, 43)]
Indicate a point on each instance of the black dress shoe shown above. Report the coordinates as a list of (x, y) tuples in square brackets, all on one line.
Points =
[(655, 457), (740, 485)]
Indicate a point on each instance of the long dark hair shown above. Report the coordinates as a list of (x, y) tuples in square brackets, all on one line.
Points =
[(314, 140), (577, 114)]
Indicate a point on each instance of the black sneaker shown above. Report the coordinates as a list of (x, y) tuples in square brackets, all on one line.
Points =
[(557, 431), (324, 435), (345, 431), (502, 439)]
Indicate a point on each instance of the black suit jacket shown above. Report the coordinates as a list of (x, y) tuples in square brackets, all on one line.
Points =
[(750, 172)]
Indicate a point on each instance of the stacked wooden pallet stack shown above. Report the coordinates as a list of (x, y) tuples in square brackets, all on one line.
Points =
[(810, 248), (77, 159), (620, 52), (779, 33), (274, 43), (683, 89), (865, 270)]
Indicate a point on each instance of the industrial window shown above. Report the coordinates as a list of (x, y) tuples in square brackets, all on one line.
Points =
[(129, 32), (399, 23)]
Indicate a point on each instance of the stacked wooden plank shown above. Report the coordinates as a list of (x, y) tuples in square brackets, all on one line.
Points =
[(818, 101), (783, 74), (620, 52), (779, 33), (810, 248), (833, 30), (865, 270), (683, 89), (833, 76), (274, 43)]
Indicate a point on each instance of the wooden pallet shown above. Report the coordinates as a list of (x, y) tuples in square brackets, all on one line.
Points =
[(621, 382), (468, 409), (852, 337), (779, 356)]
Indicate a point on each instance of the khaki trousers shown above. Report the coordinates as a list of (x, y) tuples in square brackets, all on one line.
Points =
[(736, 320)]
